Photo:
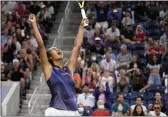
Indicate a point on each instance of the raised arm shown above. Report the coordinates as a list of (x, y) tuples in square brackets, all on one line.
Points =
[(46, 66), (77, 45)]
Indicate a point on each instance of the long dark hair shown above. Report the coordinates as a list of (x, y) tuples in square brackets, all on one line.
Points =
[(135, 112), (49, 60), (152, 61), (91, 80), (141, 80)]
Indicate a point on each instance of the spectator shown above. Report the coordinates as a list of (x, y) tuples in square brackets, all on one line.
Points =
[(84, 111), (79, 69), (77, 80), (17, 74), (97, 47), (108, 64), (32, 41), (140, 35), (87, 99), (12, 30), (112, 34), (4, 38), (34, 7), (11, 17), (100, 111), (140, 11), (96, 69), (153, 12), (107, 77), (154, 70), (157, 111), (19, 35), (124, 58), (127, 34), (25, 62), (120, 105), (103, 93), (101, 16), (8, 6), (165, 61), (162, 13), (114, 14), (81, 109), (16, 43), (98, 33), (20, 8), (135, 62), (113, 55), (122, 82), (150, 43), (155, 50), (164, 39), (90, 79), (44, 17), (3, 73), (138, 111), (127, 19), (36, 58), (134, 108), (9, 51), (92, 58), (158, 100), (138, 80), (90, 10), (51, 9), (88, 33), (120, 111)]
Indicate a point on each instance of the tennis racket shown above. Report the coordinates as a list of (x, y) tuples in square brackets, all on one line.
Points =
[(82, 11)]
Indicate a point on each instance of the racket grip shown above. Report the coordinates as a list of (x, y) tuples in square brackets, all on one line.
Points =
[(84, 16)]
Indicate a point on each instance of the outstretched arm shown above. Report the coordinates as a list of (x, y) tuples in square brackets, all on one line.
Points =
[(77, 45), (46, 67)]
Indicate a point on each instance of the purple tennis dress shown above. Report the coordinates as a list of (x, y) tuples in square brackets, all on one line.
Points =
[(62, 88)]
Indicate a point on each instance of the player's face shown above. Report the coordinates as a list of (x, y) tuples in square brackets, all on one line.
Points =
[(56, 54)]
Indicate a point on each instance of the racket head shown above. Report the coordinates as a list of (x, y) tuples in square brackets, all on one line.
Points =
[(81, 5)]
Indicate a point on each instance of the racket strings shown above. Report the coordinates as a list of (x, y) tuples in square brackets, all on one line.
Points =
[(81, 5)]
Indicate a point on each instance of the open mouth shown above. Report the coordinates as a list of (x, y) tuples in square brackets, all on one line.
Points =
[(59, 52)]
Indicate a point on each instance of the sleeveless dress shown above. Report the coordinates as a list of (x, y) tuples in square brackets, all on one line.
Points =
[(62, 88)]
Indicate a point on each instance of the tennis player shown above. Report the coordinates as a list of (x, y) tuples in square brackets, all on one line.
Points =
[(59, 76)]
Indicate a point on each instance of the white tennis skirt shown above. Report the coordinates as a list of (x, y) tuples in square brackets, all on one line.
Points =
[(55, 112)]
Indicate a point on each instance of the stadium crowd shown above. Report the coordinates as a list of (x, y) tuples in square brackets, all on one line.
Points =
[(19, 49), (124, 60), (122, 66)]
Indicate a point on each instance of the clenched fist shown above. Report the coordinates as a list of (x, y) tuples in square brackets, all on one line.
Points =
[(32, 18), (84, 21)]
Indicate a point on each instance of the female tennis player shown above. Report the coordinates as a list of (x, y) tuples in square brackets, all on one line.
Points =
[(59, 77)]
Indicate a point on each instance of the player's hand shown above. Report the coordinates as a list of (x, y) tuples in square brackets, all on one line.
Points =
[(32, 18), (84, 21)]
